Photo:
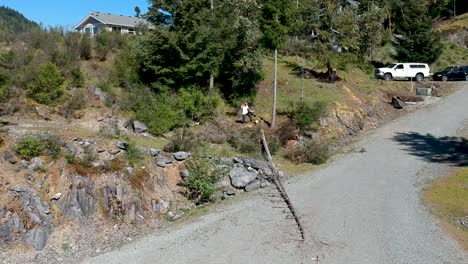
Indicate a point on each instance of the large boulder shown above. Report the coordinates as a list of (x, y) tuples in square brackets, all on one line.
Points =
[(241, 177), (139, 127), (181, 155)]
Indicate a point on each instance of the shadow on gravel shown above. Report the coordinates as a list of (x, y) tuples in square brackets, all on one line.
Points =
[(450, 150)]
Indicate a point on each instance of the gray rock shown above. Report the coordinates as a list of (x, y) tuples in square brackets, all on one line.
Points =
[(35, 164), (100, 150), (224, 182), (79, 203), (31, 177), (129, 170), (241, 177), (154, 152), (43, 113), (17, 222), (23, 164), (119, 190), (114, 151), (184, 173), (166, 160), (229, 192), (238, 160), (155, 206), (71, 148), (225, 161), (255, 185), (37, 237), (6, 155), (161, 164), (139, 127), (102, 96), (181, 155), (122, 145)]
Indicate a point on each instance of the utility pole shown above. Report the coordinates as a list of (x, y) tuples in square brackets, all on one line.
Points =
[(211, 73), (454, 8)]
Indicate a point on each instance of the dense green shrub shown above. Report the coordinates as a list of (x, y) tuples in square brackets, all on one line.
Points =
[(196, 105), (88, 157), (85, 48), (47, 87), (202, 179), (313, 151), (305, 114), (133, 154), (4, 87), (158, 111), (77, 78), (76, 102), (183, 139), (30, 146), (54, 146)]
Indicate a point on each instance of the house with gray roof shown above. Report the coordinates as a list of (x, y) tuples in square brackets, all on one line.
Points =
[(96, 21)]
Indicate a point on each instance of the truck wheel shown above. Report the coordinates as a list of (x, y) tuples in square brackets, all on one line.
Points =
[(444, 78), (387, 77), (419, 77)]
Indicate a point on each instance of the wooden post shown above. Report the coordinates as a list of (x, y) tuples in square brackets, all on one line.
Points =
[(273, 114)]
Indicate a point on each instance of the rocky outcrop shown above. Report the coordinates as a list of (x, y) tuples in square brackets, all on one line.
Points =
[(79, 203), (27, 218)]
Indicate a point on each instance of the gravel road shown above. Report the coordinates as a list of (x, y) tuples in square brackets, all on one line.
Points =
[(364, 207)]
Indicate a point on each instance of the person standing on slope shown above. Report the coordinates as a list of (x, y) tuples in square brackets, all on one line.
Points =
[(245, 111)]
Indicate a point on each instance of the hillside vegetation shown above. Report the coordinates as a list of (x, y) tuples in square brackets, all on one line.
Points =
[(106, 124)]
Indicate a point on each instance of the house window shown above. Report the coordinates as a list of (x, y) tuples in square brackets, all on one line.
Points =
[(131, 31), (87, 31), (117, 29), (95, 30)]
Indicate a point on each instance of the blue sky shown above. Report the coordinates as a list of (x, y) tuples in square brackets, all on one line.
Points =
[(68, 13)]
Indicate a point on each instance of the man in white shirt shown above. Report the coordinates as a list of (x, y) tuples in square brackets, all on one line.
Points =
[(246, 112)]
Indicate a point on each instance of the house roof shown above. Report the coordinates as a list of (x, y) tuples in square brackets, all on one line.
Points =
[(112, 19)]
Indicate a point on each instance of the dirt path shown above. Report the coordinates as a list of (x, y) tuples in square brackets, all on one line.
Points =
[(364, 207)]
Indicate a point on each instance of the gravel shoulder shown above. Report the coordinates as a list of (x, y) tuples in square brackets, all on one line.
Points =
[(363, 207)]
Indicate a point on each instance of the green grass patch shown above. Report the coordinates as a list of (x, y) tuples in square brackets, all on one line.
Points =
[(448, 198), (454, 25), (452, 54)]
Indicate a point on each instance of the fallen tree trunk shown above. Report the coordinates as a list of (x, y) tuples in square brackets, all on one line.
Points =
[(279, 185)]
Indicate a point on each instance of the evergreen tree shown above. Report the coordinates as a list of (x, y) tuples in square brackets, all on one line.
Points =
[(416, 41)]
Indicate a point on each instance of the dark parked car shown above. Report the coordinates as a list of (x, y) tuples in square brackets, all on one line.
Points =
[(452, 73)]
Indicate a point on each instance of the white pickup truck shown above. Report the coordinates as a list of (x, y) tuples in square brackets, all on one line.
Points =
[(418, 71)]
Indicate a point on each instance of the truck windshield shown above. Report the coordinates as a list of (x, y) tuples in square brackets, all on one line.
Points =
[(449, 69), (391, 66)]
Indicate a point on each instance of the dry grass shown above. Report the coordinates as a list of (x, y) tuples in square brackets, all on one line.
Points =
[(448, 199), (454, 25)]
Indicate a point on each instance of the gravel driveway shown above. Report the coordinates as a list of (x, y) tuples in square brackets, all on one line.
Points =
[(364, 207)]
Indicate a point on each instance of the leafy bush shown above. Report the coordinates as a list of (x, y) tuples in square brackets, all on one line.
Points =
[(77, 78), (313, 151), (30, 146), (85, 48), (183, 140), (4, 88), (306, 115), (47, 87), (54, 145), (248, 140), (158, 111), (202, 179), (196, 105), (88, 157), (76, 102), (133, 154)]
